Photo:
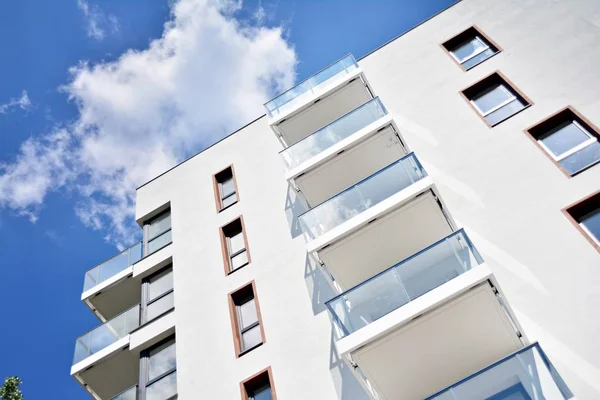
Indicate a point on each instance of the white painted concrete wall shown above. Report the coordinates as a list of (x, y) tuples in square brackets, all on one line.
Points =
[(495, 182)]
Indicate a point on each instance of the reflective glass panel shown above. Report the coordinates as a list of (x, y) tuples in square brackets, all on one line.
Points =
[(564, 138), (466, 50), (592, 224), (470, 63), (492, 98), (251, 338), (160, 284), (162, 389), (504, 112), (583, 158), (160, 306), (159, 225), (161, 360), (247, 314)]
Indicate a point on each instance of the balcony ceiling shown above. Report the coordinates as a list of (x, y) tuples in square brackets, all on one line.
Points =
[(113, 375), (117, 298)]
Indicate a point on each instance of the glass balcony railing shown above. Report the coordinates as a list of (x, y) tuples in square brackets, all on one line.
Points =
[(106, 334), (297, 94), (129, 394), (112, 266), (527, 374), (333, 133), (362, 196), (403, 282)]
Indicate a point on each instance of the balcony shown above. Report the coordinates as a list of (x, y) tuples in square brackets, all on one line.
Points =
[(339, 89), (425, 322), (99, 362), (343, 152), (369, 226), (525, 374)]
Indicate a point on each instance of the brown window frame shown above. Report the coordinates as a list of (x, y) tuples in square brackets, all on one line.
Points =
[(252, 380), (224, 247), (237, 340), (580, 208), (450, 43), (218, 200), (469, 92), (541, 127)]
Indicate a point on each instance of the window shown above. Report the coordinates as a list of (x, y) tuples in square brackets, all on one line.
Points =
[(585, 215), (495, 99), (246, 319), (259, 387), (471, 48), (235, 245), (157, 232), (570, 140), (225, 188), (158, 372), (157, 294)]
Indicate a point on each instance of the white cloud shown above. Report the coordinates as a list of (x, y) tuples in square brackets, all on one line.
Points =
[(208, 74), (22, 102), (97, 22)]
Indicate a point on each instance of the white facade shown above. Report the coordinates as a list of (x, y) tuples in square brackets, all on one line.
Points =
[(493, 182)]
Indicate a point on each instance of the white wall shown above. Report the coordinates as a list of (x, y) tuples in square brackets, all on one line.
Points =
[(496, 182)]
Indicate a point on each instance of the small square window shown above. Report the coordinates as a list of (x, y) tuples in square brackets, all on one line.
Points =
[(225, 188), (246, 320), (259, 387), (235, 245), (585, 215), (495, 99), (471, 48), (570, 140)]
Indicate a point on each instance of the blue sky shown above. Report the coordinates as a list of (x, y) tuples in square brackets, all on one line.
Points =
[(65, 201)]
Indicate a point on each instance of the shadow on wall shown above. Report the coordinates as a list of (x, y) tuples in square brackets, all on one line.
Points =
[(346, 385), (318, 285), (295, 205)]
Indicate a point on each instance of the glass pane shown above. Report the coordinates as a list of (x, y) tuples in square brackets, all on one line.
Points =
[(503, 113), (160, 284), (264, 393), (247, 313), (251, 338), (239, 260), (130, 394), (226, 202), (159, 225), (386, 183), (159, 242), (582, 158), (470, 63), (161, 360), (162, 389), (469, 48), (236, 243), (492, 98), (227, 187), (160, 306), (591, 222), (564, 138)]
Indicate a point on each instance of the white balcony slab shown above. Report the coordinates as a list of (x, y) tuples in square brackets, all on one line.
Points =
[(356, 160), (153, 262), (152, 332), (435, 340)]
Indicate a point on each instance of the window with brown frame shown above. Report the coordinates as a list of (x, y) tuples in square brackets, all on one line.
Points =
[(495, 99), (585, 215), (234, 245), (226, 192), (259, 386), (569, 140), (246, 320), (470, 48)]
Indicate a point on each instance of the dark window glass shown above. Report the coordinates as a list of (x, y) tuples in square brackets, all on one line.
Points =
[(157, 232), (226, 187), (236, 245)]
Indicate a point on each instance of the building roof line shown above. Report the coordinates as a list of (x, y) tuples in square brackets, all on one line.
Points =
[(264, 115)]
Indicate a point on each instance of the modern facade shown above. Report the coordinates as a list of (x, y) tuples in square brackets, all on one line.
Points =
[(423, 223)]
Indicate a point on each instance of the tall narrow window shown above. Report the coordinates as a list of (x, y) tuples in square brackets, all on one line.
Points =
[(157, 232), (470, 48), (246, 320), (235, 245), (495, 99), (157, 294), (570, 140), (158, 372), (585, 215), (259, 387), (225, 188)]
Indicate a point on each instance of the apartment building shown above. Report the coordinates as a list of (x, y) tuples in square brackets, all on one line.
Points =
[(423, 223)]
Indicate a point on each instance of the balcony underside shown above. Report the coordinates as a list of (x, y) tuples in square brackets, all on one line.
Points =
[(410, 353), (403, 230), (337, 102), (112, 375), (366, 154)]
